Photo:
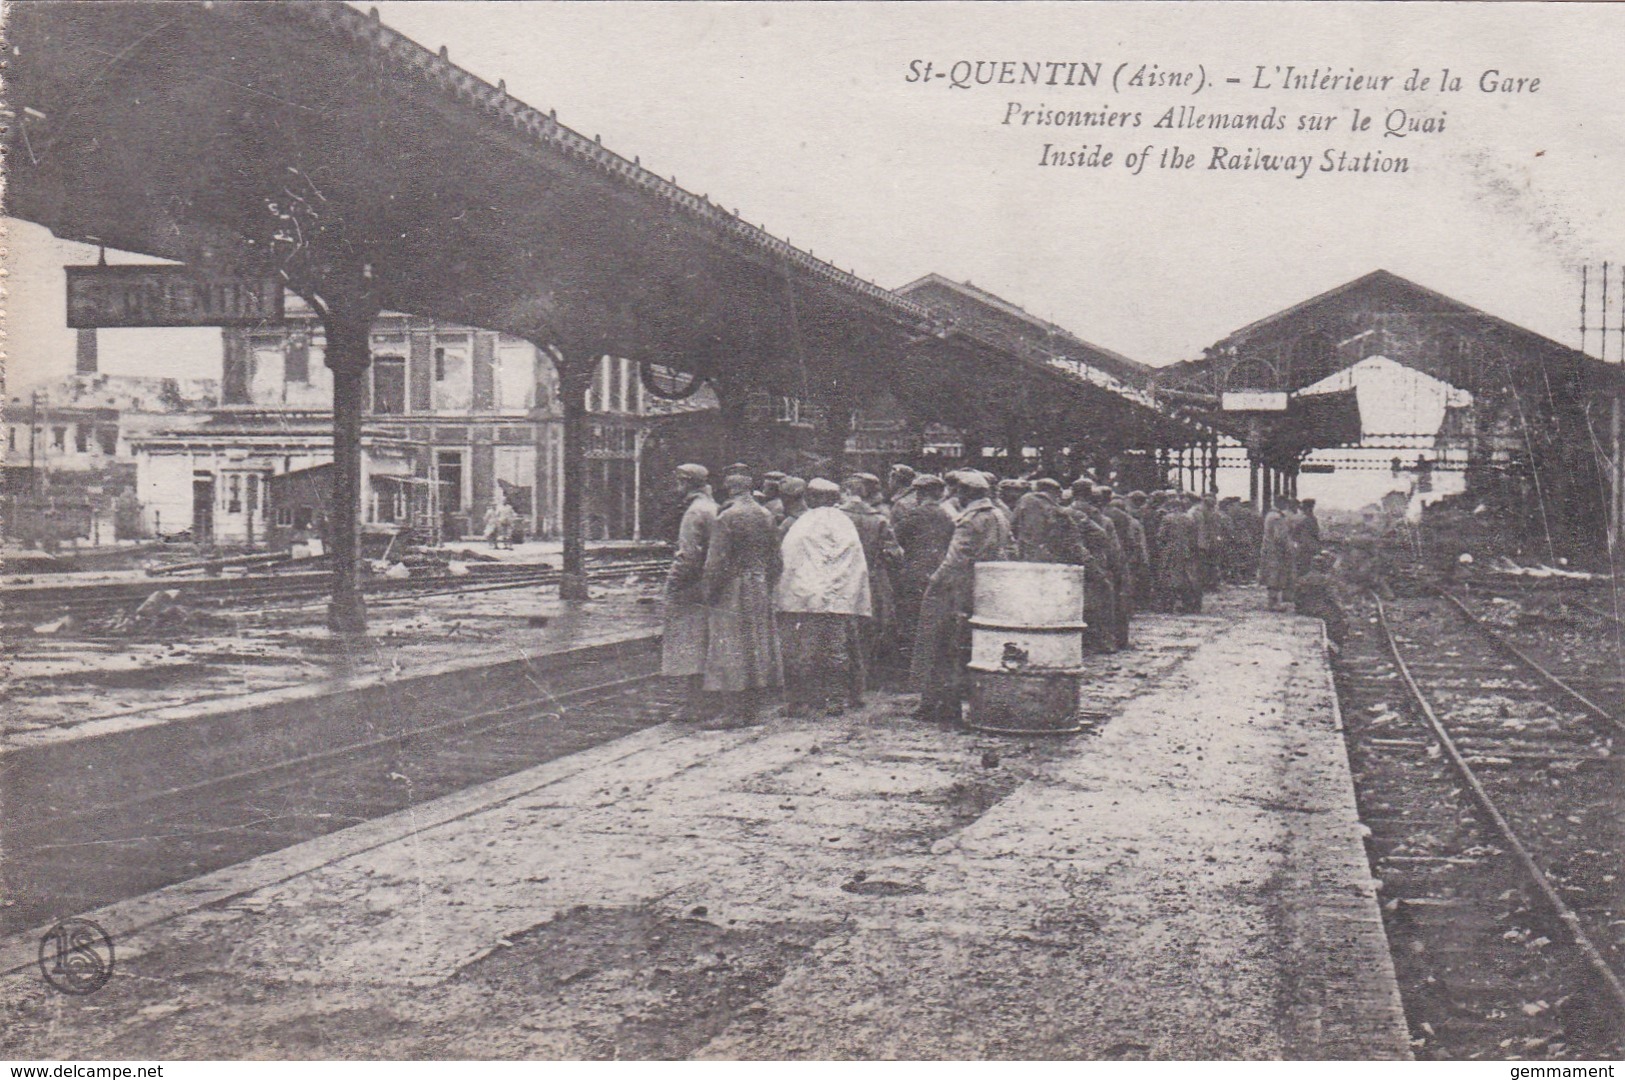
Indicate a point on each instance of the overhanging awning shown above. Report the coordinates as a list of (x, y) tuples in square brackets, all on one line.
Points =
[(1312, 422)]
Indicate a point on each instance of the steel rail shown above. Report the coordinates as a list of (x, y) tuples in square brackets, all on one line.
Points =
[(1565, 915), (275, 591), (479, 722), (1597, 711)]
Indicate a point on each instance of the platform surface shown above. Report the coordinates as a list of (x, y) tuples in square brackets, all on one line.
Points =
[(1186, 881)]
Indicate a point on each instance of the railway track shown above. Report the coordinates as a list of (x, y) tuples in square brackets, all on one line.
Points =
[(1490, 785), (64, 858), (37, 603)]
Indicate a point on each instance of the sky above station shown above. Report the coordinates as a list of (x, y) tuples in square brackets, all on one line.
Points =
[(814, 121)]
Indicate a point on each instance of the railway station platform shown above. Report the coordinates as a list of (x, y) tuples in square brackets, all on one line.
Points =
[(1187, 880)]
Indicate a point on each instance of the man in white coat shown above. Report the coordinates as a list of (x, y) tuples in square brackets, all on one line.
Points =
[(822, 594)]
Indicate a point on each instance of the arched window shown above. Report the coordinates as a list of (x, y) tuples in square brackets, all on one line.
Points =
[(1251, 373)]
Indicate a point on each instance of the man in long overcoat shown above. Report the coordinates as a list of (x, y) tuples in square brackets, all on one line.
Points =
[(683, 646), (980, 535), (1042, 528), (1277, 559), (1156, 507), (1305, 536), (1206, 536), (742, 654), (924, 528), (1136, 563), (1103, 567), (884, 556), (1249, 530), (1180, 569)]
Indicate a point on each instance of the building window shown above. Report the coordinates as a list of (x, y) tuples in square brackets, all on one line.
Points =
[(237, 372), (81, 438), (787, 410), (59, 438), (453, 384), (296, 360), (389, 385), (11, 438), (108, 437)]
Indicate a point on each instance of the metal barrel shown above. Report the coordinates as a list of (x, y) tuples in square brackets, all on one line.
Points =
[(1026, 648)]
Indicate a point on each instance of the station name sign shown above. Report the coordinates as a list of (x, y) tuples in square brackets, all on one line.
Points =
[(1254, 401), (158, 295)]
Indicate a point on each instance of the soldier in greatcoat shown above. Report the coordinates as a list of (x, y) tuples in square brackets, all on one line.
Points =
[(1156, 507), (1180, 570), (1043, 529), (883, 556), (980, 535), (1136, 562), (1305, 536), (923, 527), (1103, 568), (1277, 557), (687, 616), (742, 656)]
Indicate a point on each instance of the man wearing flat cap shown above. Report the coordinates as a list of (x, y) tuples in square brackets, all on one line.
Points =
[(742, 659), (773, 495), (792, 492), (980, 535), (882, 555), (993, 499), (902, 495), (683, 646), (1042, 529), (1010, 493), (923, 528)]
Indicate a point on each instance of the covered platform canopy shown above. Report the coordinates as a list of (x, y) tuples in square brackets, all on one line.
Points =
[(310, 140)]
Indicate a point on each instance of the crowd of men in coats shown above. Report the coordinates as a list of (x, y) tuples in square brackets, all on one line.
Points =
[(818, 590)]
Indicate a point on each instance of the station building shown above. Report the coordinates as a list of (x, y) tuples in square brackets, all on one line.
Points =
[(70, 464), (458, 418)]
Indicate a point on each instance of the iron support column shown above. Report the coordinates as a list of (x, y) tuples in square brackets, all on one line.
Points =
[(348, 354), (733, 400), (833, 427), (575, 374)]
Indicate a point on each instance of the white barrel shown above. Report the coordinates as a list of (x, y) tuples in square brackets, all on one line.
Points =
[(1029, 594), (1028, 618), (1001, 648)]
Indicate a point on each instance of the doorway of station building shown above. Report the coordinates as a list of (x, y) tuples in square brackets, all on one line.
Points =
[(449, 494), (202, 508)]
